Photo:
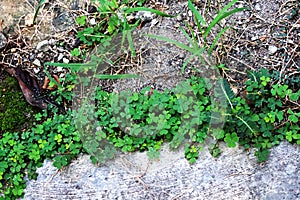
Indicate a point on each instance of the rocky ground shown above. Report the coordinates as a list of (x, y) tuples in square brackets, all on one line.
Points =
[(266, 36)]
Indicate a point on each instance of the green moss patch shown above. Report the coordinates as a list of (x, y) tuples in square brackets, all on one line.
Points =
[(14, 110)]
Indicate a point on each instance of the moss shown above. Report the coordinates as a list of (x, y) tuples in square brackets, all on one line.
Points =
[(15, 112)]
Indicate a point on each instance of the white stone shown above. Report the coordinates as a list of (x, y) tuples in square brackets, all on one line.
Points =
[(272, 49), (65, 60), (37, 62), (60, 56), (254, 38), (93, 21), (257, 7), (36, 70), (59, 69)]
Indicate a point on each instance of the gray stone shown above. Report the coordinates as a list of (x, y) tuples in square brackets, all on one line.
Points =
[(234, 175), (3, 41)]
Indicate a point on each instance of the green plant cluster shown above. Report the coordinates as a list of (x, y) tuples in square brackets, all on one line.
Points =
[(22, 152), (143, 121), (111, 19), (268, 114), (14, 111)]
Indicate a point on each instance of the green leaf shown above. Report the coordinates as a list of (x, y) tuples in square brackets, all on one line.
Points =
[(212, 46), (221, 15), (130, 10), (289, 136), (117, 76), (166, 39), (198, 16), (262, 155), (153, 154), (37, 10), (294, 96), (231, 139), (81, 20)]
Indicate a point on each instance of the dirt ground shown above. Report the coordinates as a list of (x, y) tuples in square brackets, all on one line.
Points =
[(266, 36)]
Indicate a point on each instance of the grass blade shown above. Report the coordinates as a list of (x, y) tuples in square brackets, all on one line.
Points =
[(197, 53), (130, 42), (191, 41), (130, 10), (198, 16), (117, 76), (212, 46), (221, 15), (178, 44), (37, 10)]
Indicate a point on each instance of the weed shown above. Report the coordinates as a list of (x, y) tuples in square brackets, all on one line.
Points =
[(22, 153)]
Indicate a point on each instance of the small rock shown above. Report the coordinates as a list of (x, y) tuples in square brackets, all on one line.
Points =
[(190, 14), (3, 41), (32, 56), (154, 22), (181, 56), (40, 55), (36, 70), (65, 60), (64, 21), (41, 44), (51, 42), (37, 62), (272, 49), (59, 69), (179, 18), (257, 7), (254, 38), (145, 15), (60, 56), (93, 21)]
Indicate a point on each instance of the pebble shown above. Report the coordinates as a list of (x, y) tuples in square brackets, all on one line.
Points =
[(93, 21), (254, 38), (62, 75), (3, 41), (36, 70), (59, 69), (179, 18), (65, 60), (37, 62), (181, 56), (52, 42), (29, 19), (257, 7), (145, 15), (272, 49), (60, 57), (154, 22), (41, 44)]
